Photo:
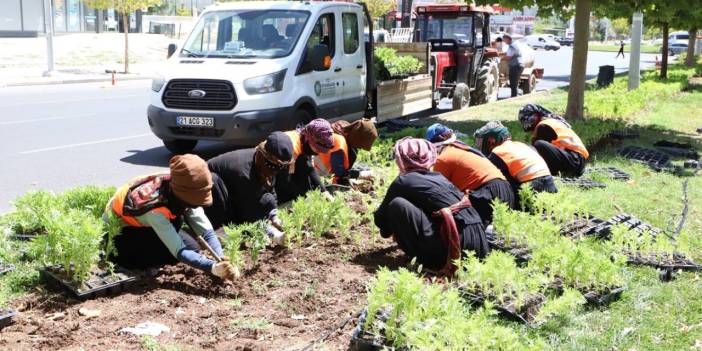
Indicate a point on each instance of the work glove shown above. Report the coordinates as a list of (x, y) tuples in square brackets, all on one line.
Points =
[(365, 175), (225, 270), (276, 236), (274, 219), (327, 196)]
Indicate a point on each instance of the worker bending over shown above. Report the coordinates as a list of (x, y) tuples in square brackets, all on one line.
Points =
[(470, 171), (152, 210), (244, 184), (555, 140), (426, 215), (347, 140), (301, 177), (518, 162)]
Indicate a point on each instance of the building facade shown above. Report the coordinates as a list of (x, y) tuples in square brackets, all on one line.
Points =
[(513, 21), (20, 18)]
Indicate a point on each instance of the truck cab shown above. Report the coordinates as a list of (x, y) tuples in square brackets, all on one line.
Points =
[(250, 68)]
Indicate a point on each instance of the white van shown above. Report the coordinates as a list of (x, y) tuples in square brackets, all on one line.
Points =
[(250, 68), (539, 41), (678, 38)]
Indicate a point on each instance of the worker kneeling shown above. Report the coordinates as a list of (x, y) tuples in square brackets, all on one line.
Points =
[(152, 210), (470, 171), (348, 138), (518, 162), (555, 140), (426, 215)]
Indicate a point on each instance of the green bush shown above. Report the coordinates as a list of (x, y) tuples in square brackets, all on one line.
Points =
[(396, 66)]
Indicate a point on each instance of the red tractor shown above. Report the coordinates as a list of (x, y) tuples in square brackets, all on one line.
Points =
[(463, 64)]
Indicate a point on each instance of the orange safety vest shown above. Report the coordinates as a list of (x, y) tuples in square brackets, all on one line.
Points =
[(322, 163), (118, 200), (464, 168), (565, 137), (296, 139), (523, 162)]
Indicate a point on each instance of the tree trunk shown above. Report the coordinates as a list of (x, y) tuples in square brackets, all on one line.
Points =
[(664, 52), (125, 24), (576, 91), (690, 60)]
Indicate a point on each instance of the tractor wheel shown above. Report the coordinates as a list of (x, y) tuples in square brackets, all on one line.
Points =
[(461, 96), (488, 83), (529, 85)]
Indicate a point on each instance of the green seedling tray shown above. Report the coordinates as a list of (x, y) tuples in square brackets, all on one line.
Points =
[(508, 311), (98, 285), (362, 340), (597, 299)]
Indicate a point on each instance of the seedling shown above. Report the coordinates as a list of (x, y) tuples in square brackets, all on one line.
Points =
[(314, 216)]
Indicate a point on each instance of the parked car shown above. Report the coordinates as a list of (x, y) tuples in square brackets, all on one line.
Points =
[(538, 41), (676, 48), (675, 37), (564, 41)]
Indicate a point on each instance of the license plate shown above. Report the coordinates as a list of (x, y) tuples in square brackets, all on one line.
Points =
[(206, 122)]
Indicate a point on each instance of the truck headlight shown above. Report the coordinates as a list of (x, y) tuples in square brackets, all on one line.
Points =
[(157, 83), (265, 84)]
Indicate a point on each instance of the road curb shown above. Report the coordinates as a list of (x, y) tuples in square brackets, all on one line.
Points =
[(77, 81)]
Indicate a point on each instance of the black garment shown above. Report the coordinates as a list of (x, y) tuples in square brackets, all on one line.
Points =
[(515, 73), (407, 212), (238, 194), (566, 162), (140, 247), (496, 189), (290, 186), (543, 184)]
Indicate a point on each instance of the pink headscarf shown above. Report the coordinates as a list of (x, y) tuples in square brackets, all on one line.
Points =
[(413, 154), (319, 134)]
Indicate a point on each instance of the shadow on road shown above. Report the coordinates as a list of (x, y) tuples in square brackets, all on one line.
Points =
[(159, 156)]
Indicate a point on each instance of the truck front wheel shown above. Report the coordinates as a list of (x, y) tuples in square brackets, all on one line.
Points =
[(180, 146), (461, 96)]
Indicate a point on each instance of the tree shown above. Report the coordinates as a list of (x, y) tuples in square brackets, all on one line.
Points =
[(379, 8), (620, 26), (125, 8), (689, 17), (576, 90)]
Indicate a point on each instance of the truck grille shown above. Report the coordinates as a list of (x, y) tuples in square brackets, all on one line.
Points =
[(219, 94)]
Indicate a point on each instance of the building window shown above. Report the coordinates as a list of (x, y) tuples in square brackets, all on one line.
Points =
[(10, 16)]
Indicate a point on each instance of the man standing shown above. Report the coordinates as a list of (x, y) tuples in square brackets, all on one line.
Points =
[(515, 63), (621, 49)]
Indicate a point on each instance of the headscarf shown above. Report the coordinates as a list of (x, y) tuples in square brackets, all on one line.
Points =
[(277, 150), (413, 154), (493, 129), (318, 133), (531, 114), (191, 180), (360, 134), (438, 132)]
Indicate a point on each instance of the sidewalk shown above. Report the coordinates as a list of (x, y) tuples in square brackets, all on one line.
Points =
[(81, 57)]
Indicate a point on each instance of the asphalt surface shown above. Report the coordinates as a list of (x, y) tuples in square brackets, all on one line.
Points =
[(60, 136)]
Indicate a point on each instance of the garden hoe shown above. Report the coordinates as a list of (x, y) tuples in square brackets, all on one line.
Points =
[(214, 254)]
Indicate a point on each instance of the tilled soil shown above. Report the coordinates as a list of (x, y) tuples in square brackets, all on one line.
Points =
[(291, 298)]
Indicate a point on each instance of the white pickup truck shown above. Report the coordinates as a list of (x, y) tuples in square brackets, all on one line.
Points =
[(250, 68)]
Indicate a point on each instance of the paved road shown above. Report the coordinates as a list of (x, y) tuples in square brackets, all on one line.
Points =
[(56, 137)]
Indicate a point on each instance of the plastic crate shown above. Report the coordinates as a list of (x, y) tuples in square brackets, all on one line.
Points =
[(583, 183), (612, 172), (655, 159), (98, 285)]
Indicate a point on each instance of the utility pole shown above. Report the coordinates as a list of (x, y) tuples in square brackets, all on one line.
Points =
[(635, 52), (49, 29)]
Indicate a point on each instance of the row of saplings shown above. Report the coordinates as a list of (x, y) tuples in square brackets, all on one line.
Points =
[(538, 274)]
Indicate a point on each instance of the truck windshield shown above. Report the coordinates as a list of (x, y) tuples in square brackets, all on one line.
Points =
[(432, 26), (246, 34)]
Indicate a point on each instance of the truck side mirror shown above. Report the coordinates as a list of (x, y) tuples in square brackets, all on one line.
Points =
[(319, 58), (171, 50)]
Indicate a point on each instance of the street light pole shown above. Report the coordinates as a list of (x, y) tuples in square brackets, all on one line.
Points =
[(635, 52), (49, 29)]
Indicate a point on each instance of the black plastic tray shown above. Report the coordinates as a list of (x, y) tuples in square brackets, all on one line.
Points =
[(594, 298), (633, 223), (508, 312), (612, 172), (678, 152), (693, 164), (362, 340), (334, 188), (6, 268), (6, 318), (98, 285), (23, 236), (681, 262), (655, 159), (590, 226), (583, 183), (624, 134)]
